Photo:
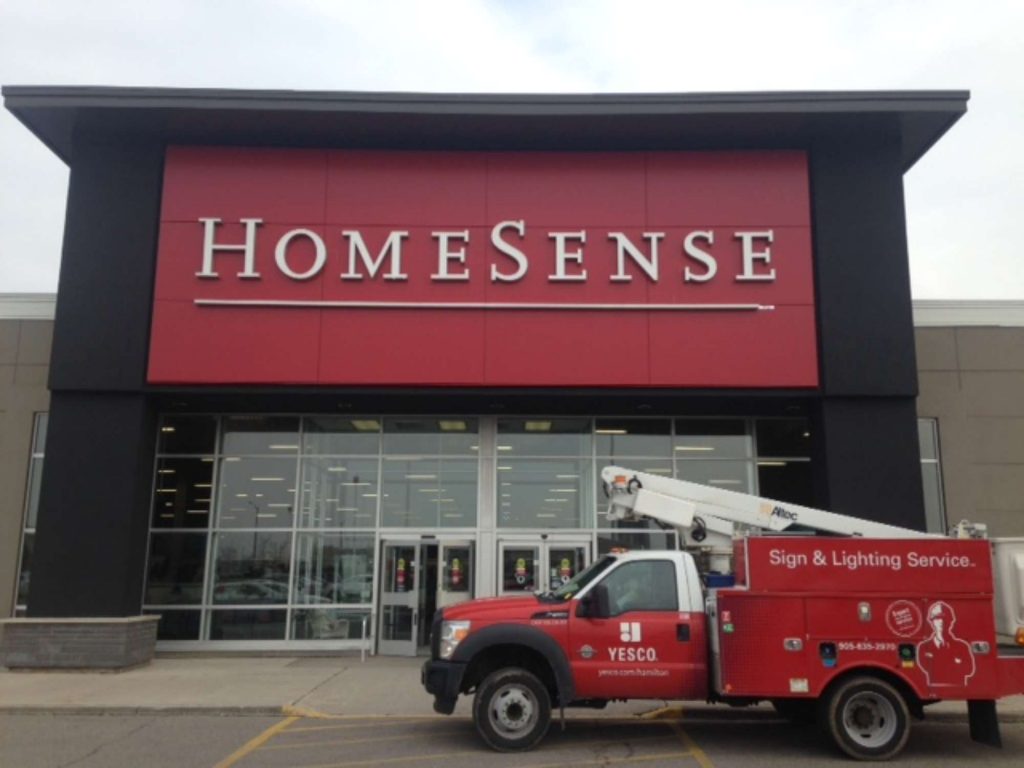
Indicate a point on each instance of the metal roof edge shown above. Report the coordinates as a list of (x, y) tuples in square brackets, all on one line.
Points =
[(27, 306), (937, 313)]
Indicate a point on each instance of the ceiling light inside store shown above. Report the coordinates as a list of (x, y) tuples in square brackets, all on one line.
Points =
[(166, 471), (366, 425), (566, 477), (168, 515), (267, 479), (771, 463), (657, 471), (337, 469), (421, 477), (283, 447), (561, 490), (504, 447), (725, 482), (167, 429), (538, 426), (203, 485), (264, 515), (694, 448), (546, 514), (453, 426), (166, 490), (369, 495), (604, 431), (195, 512), (355, 484), (504, 469)]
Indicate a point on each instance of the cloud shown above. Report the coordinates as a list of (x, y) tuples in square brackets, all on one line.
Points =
[(962, 198)]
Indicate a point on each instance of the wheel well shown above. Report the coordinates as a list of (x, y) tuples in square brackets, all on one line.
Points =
[(501, 656), (902, 686)]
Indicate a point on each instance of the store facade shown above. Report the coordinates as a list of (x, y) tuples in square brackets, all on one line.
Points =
[(323, 362)]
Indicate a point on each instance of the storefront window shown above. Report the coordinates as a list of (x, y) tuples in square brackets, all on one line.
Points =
[(783, 460), (339, 492), (333, 568), (931, 476), (545, 473), (28, 538)]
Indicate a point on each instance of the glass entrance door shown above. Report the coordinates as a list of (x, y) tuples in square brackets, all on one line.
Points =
[(535, 564), (455, 578), (399, 599)]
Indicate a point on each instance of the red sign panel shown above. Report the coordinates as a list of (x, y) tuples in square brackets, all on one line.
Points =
[(339, 267), (856, 565)]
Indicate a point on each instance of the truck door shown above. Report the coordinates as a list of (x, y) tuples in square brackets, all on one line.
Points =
[(648, 646)]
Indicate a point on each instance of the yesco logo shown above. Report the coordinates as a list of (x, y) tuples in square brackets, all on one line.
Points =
[(629, 631)]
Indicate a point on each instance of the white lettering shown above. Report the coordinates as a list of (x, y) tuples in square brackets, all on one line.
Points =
[(281, 254), (445, 255), (509, 250), (705, 258), (356, 247), (248, 249), (750, 256), (562, 256), (624, 247), (789, 560), (632, 654)]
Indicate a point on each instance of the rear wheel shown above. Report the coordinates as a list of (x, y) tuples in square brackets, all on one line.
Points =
[(512, 710), (867, 718)]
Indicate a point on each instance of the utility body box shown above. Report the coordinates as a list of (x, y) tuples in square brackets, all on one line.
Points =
[(810, 608)]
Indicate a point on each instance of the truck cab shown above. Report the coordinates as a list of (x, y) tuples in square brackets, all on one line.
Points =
[(630, 626)]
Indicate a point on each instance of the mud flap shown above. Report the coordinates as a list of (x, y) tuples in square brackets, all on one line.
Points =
[(981, 714)]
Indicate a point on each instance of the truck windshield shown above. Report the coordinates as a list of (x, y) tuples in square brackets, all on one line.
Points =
[(580, 580)]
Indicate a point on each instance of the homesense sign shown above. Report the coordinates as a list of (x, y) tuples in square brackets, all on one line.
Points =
[(699, 263)]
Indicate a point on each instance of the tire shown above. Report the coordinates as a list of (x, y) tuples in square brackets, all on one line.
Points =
[(867, 718), (512, 710), (797, 711)]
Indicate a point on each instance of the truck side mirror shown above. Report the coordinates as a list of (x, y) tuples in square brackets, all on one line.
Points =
[(595, 604)]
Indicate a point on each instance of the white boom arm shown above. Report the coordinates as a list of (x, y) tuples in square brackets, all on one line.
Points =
[(705, 515)]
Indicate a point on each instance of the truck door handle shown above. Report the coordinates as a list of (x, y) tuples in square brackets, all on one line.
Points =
[(683, 633)]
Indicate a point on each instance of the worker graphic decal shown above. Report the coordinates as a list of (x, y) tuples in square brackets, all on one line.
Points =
[(945, 658)]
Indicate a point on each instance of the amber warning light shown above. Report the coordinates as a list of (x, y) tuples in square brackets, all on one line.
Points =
[(1019, 639)]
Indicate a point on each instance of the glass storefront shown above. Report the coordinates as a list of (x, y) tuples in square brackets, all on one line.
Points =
[(276, 528)]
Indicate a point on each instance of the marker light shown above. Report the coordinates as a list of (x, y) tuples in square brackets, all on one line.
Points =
[(452, 633), (1019, 638)]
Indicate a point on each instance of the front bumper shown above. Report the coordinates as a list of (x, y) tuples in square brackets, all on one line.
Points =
[(442, 679)]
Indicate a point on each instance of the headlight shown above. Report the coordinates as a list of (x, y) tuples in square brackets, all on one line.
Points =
[(452, 633)]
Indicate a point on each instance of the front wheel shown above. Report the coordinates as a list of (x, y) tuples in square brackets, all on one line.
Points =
[(867, 718), (512, 710)]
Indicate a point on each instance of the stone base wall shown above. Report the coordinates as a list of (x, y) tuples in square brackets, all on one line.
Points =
[(86, 643)]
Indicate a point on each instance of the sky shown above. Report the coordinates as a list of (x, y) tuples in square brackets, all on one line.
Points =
[(965, 198)]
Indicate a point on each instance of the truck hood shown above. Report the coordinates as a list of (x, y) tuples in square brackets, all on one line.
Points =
[(505, 608)]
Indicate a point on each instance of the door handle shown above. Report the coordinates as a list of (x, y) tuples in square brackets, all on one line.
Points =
[(683, 633)]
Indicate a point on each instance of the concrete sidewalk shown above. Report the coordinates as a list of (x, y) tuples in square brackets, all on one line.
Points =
[(336, 686)]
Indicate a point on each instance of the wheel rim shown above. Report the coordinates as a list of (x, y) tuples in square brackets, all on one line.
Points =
[(513, 711), (869, 720)]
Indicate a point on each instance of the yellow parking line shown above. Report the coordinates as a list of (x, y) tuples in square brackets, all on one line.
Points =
[(256, 743), (699, 755), (358, 721)]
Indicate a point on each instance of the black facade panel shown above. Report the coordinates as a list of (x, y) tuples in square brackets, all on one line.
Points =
[(862, 275), (868, 461), (105, 293), (94, 507)]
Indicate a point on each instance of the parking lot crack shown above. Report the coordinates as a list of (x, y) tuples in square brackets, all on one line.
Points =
[(103, 745), (318, 686)]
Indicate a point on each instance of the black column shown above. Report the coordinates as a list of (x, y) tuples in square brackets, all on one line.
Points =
[(872, 464), (94, 502), (94, 506), (867, 461)]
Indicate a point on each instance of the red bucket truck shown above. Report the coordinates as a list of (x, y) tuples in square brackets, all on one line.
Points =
[(859, 630)]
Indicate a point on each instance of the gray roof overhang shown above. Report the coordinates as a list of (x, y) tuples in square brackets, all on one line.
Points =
[(483, 121)]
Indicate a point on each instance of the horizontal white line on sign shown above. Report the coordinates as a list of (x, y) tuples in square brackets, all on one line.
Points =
[(481, 305)]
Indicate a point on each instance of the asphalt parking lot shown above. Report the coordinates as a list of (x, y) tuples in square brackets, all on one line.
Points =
[(729, 739)]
